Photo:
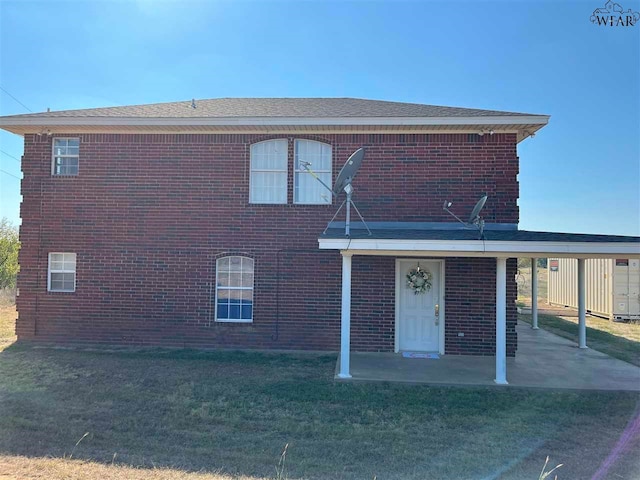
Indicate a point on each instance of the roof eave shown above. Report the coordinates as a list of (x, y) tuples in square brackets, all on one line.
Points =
[(311, 121), (522, 125), (481, 248)]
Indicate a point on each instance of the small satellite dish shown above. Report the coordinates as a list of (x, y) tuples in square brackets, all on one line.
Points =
[(348, 172), (475, 220), (475, 213)]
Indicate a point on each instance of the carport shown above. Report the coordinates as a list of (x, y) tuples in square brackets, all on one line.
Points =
[(434, 241)]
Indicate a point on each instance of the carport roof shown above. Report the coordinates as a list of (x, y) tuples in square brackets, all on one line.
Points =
[(467, 242)]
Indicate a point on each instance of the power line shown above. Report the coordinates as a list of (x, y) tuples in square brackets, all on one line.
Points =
[(10, 174), (9, 155), (16, 99)]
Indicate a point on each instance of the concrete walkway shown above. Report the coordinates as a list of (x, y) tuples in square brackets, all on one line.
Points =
[(543, 360)]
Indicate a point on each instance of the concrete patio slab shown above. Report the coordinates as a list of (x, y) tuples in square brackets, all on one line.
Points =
[(543, 360)]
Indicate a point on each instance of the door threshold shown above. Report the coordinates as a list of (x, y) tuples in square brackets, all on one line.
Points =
[(424, 355)]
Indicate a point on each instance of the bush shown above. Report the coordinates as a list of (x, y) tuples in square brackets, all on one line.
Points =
[(9, 246)]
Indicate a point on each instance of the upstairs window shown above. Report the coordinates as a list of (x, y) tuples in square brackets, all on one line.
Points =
[(306, 189), (62, 272), (234, 289), (65, 156), (268, 182)]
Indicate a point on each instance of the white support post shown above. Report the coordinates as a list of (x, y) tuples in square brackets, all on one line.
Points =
[(582, 309), (534, 293), (345, 324), (501, 321)]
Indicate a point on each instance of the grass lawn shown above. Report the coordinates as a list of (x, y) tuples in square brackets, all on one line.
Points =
[(165, 414), (619, 340)]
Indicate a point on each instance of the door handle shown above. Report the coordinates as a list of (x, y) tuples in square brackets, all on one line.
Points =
[(437, 311)]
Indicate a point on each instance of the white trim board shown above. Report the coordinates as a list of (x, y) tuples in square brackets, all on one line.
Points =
[(479, 248), (202, 121)]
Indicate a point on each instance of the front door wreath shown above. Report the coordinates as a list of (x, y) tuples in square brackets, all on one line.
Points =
[(419, 280)]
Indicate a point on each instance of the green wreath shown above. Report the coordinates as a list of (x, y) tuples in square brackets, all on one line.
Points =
[(419, 280)]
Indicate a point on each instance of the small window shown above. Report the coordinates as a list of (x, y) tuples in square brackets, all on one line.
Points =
[(268, 182), (66, 153), (234, 289), (307, 189), (62, 272)]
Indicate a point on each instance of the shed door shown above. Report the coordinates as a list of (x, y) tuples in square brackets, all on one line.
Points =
[(626, 288), (417, 324)]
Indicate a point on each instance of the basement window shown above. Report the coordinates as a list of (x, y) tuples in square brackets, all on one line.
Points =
[(66, 156), (62, 272)]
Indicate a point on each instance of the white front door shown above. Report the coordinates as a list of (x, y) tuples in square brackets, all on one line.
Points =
[(419, 316)]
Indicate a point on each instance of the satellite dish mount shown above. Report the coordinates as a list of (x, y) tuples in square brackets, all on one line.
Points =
[(475, 220), (343, 184)]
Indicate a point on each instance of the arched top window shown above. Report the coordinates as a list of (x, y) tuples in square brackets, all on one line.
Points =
[(234, 289), (268, 180), (306, 189)]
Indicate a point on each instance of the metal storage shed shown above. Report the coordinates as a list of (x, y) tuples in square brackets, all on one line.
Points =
[(613, 286)]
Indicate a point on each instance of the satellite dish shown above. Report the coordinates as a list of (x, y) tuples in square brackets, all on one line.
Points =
[(475, 213), (475, 221), (348, 172), (343, 184)]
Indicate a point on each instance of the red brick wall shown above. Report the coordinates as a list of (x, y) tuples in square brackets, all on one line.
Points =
[(471, 306), (470, 294), (373, 303), (148, 215)]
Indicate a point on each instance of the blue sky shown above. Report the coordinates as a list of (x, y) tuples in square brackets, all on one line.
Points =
[(581, 173)]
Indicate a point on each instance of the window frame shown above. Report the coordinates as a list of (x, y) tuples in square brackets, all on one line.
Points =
[(296, 171), (285, 171), (235, 288), (64, 156), (51, 271)]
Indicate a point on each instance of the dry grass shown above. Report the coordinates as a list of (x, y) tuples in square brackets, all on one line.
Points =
[(523, 279), (59, 468), (8, 316)]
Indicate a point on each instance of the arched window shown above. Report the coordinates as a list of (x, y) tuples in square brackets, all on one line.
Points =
[(234, 289), (317, 156), (268, 182)]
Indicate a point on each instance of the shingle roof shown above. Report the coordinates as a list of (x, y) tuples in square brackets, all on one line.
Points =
[(472, 234), (274, 108)]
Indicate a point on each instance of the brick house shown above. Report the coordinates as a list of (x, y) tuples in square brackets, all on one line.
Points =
[(195, 224)]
